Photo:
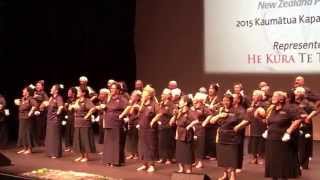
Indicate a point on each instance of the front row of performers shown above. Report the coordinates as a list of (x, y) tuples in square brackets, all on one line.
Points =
[(179, 128)]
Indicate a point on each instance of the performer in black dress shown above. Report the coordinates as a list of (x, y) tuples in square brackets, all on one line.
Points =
[(54, 105), (228, 136), (114, 136), (184, 120), (83, 139), (148, 134), (305, 140), (69, 128), (165, 131), (27, 106), (3, 124), (281, 154), (213, 103), (256, 114), (240, 111), (202, 113), (40, 121), (130, 116), (102, 99)]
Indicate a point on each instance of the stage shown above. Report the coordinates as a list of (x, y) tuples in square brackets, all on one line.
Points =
[(27, 163)]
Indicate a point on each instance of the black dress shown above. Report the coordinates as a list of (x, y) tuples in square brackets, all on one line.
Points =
[(281, 158), (26, 136), (166, 132), (184, 138), (241, 112), (83, 138), (132, 133), (210, 140), (114, 136), (200, 133), (40, 122), (257, 127), (3, 124), (101, 114), (305, 140), (148, 136), (229, 141), (211, 130), (53, 141), (69, 128)]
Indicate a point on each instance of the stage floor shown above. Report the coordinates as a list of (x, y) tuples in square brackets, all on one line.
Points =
[(25, 163)]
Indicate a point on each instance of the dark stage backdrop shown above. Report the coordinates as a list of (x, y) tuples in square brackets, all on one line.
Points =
[(59, 41), (170, 45)]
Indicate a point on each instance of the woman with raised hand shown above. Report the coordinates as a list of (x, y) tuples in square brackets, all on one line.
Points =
[(83, 139), (27, 106), (54, 106)]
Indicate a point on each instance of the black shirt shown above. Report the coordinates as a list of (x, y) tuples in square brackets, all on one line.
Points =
[(201, 114), (81, 112), (114, 108), (146, 114), (182, 134), (40, 96), (70, 113), (257, 124), (25, 107), (167, 112), (280, 120), (54, 104), (226, 134)]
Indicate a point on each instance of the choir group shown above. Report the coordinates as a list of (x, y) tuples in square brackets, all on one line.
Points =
[(176, 128)]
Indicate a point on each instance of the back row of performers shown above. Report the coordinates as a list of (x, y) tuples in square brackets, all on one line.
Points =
[(178, 127)]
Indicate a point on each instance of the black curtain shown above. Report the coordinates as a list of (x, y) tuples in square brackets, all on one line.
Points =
[(59, 41)]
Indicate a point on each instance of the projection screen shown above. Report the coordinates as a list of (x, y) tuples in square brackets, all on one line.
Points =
[(271, 36)]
